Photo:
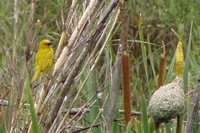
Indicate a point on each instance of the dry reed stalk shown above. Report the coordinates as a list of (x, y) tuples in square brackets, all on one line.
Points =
[(52, 129), (20, 80), (48, 90), (108, 10), (60, 44), (15, 34), (70, 14), (76, 33), (29, 30), (92, 54), (80, 43), (125, 65), (42, 96), (66, 87), (75, 69), (64, 34), (14, 56), (73, 73), (82, 111)]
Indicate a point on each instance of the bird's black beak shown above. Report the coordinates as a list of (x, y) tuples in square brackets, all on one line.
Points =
[(50, 43)]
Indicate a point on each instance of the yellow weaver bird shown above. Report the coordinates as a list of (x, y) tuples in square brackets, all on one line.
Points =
[(43, 58)]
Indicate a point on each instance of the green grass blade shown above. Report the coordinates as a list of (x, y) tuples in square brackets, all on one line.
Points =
[(92, 116), (144, 116), (2, 127), (137, 125), (187, 60), (168, 128), (28, 96), (129, 127), (144, 55), (170, 70), (115, 126), (151, 125), (152, 63)]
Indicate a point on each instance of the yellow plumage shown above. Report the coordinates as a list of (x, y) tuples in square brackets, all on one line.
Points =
[(43, 58)]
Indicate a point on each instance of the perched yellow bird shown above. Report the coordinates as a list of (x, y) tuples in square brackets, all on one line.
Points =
[(43, 58)]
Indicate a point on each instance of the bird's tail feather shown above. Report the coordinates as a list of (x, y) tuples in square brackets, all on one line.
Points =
[(35, 76)]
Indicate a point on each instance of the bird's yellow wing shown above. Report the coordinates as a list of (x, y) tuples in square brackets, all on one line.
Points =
[(44, 59)]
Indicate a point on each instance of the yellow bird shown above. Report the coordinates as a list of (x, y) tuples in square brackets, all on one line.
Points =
[(43, 58)]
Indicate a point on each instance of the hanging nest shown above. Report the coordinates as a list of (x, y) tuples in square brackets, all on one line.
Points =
[(168, 101)]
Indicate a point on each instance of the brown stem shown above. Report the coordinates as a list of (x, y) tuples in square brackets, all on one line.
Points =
[(156, 127), (162, 68), (179, 124), (123, 25), (126, 85), (125, 65)]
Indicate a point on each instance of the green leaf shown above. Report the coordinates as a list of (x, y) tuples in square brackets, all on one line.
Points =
[(144, 55), (129, 127), (92, 117), (137, 124), (28, 96), (115, 127), (2, 127), (170, 70), (168, 128), (144, 116), (187, 60)]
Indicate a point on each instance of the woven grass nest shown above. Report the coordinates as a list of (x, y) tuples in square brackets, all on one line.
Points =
[(168, 101)]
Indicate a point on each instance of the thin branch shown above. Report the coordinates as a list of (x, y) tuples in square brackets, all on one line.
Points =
[(29, 31), (86, 128), (16, 21)]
